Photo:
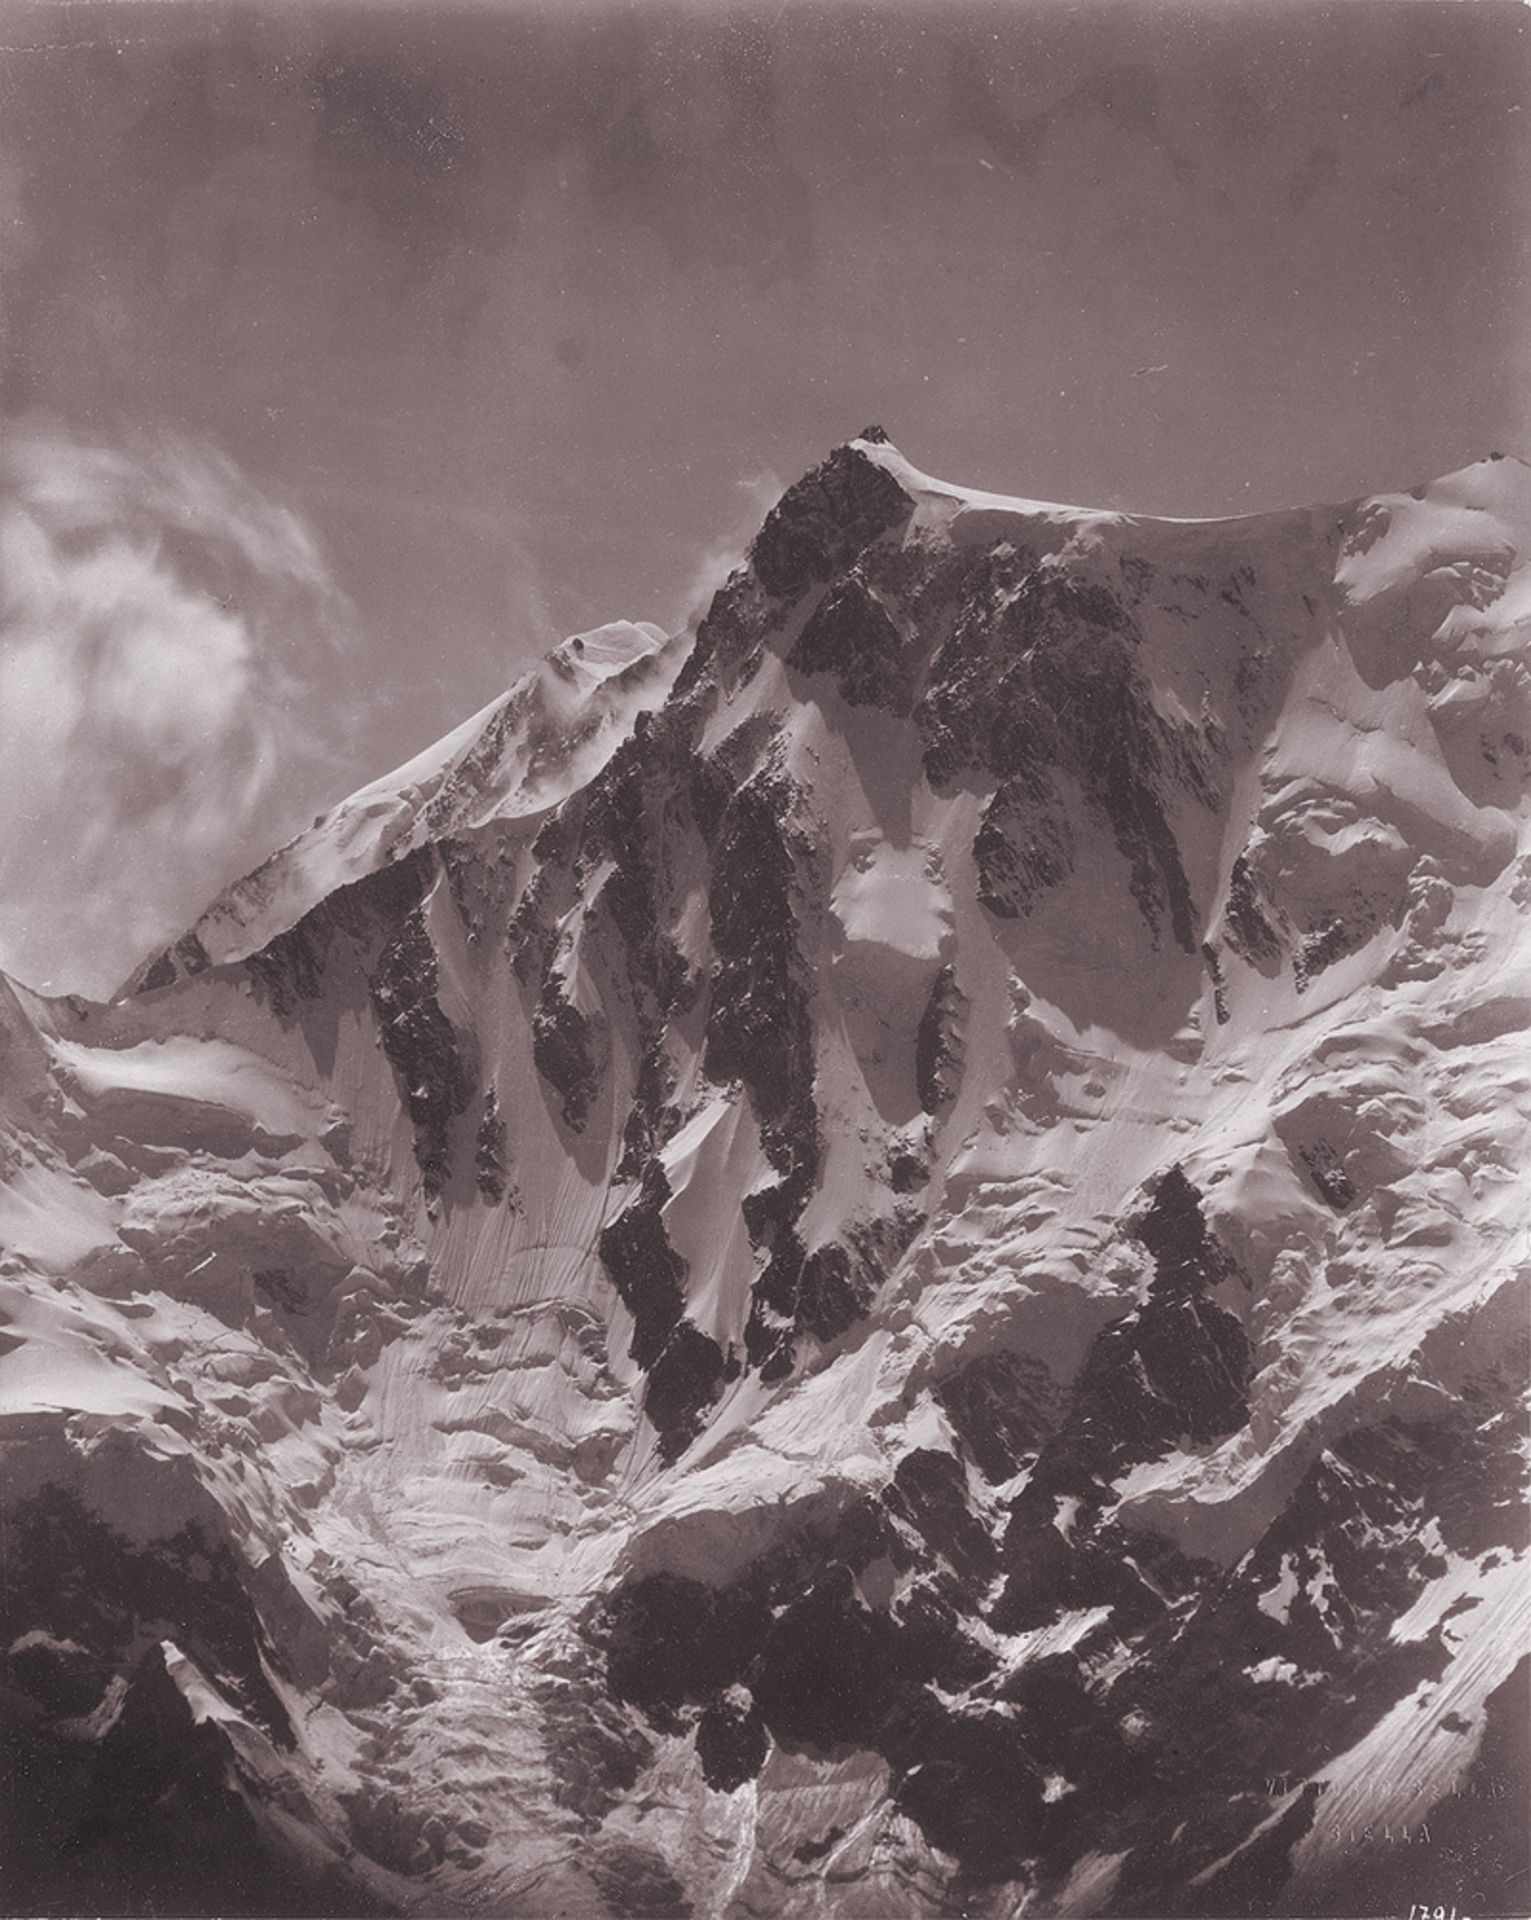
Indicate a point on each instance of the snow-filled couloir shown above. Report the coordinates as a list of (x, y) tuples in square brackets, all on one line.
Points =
[(870, 1259)]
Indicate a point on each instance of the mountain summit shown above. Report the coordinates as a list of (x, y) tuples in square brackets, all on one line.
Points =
[(870, 1259)]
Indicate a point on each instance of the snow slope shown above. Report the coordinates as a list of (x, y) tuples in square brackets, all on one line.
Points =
[(520, 756), (867, 1260)]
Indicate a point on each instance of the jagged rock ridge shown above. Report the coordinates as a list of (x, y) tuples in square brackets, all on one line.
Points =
[(873, 1248)]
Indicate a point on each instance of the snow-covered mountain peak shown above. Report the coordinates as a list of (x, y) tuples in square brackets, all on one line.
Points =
[(870, 1255), (1445, 549)]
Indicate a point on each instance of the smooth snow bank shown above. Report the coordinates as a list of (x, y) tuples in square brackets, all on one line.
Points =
[(180, 1068), (366, 831), (49, 1221), (1473, 510), (970, 514), (890, 896), (1424, 573), (1467, 517)]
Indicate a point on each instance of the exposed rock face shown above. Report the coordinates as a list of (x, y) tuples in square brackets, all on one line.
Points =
[(824, 522), (421, 1046), (1023, 848), (564, 1050), (869, 1257), (1040, 687), (850, 635), (938, 1043), (489, 1154), (685, 1368), (122, 1795), (759, 1027), (1176, 1366), (71, 1581), (1000, 1406)]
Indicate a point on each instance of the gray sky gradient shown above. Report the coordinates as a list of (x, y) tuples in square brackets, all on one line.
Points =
[(521, 311)]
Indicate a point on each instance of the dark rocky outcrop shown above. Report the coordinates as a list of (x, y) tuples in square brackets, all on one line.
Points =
[(829, 1296), (938, 1043), (972, 1784), (823, 1677), (1223, 1737), (563, 1050), (813, 1665), (421, 1045), (929, 1491), (759, 1022), (686, 1368), (792, 1651), (644, 1268), (114, 1796), (729, 642), (291, 969), (186, 959), (684, 1381), (531, 938), (760, 1032), (849, 634), (1177, 1758), (377, 926), (170, 1827), (67, 1574), (1174, 1370), (731, 1740), (1040, 681), (637, 824), (823, 1293), (1177, 1366), (821, 524), (1024, 846), (750, 1654), (671, 1642), (637, 818), (956, 722), (489, 1151), (769, 1335), (1251, 930), (1001, 1406)]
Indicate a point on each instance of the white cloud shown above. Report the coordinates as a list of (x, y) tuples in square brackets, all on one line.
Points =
[(170, 645)]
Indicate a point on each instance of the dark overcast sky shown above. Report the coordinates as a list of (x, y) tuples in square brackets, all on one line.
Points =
[(515, 314)]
